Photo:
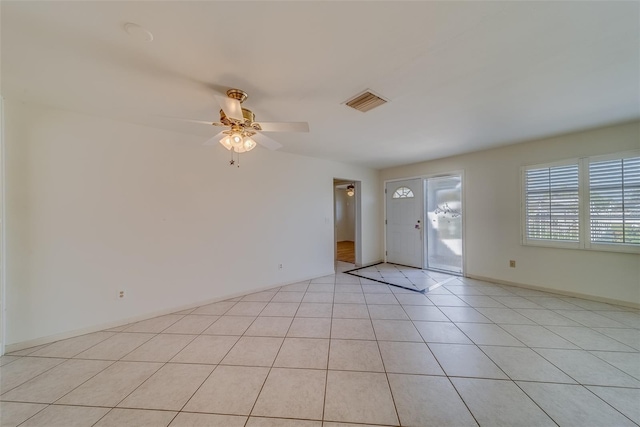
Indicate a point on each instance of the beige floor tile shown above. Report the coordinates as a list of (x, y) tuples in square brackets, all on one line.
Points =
[(65, 416), (192, 324), (280, 309), (112, 385), (313, 309), (464, 314), (326, 424), (160, 348), (321, 287), (505, 316), (155, 325), (185, 419), (292, 393), (488, 334), (246, 308), (481, 396), (72, 346), (624, 400), (409, 358), (441, 332), (288, 297), (545, 317), (13, 413), (55, 383), (139, 418), (206, 349), (310, 353), (387, 312), (627, 336), (230, 390), (215, 309), (269, 327), (350, 311), (588, 339), (8, 359), (28, 351), (396, 330), (573, 405), (310, 328), (355, 355), (21, 371), (428, 401), (359, 397), (295, 287), (230, 325), (628, 363), (376, 289), (586, 368), (356, 329), (425, 313), (318, 297), (281, 422), (349, 288), (253, 351), (537, 336), (413, 299), (349, 298), (264, 296), (525, 364), (169, 388), (381, 299), (462, 360), (116, 347)]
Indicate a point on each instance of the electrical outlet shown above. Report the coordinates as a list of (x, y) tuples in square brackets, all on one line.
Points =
[(279, 266), (121, 295), (512, 263)]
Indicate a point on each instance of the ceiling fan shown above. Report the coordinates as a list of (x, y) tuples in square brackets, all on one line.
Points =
[(244, 133)]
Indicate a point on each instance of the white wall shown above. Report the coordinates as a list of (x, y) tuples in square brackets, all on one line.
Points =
[(345, 216), (492, 204), (95, 206)]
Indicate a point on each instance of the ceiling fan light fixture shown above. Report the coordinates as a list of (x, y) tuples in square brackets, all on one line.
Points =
[(236, 139), (226, 142), (249, 144)]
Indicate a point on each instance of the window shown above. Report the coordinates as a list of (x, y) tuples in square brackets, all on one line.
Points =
[(614, 201), (402, 193), (588, 203), (552, 204)]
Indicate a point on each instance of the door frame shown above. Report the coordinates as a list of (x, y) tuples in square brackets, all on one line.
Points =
[(358, 217), (3, 234), (424, 211)]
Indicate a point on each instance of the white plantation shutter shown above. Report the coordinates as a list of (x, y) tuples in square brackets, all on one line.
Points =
[(552, 206), (614, 201)]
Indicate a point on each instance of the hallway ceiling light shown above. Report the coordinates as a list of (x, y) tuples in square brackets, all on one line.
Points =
[(351, 190)]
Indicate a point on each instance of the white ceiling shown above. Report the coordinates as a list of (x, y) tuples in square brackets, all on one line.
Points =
[(460, 76)]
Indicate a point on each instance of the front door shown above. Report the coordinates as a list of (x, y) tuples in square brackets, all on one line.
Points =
[(404, 222)]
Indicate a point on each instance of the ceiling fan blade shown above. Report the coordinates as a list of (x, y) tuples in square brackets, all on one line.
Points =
[(182, 119), (231, 107), (284, 126), (214, 140), (266, 142)]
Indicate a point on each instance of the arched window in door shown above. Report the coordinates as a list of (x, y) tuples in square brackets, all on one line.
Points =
[(402, 193)]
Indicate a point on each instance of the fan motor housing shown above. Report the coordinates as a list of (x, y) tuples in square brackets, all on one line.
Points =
[(248, 116)]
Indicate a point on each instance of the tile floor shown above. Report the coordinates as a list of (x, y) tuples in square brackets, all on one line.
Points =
[(407, 277), (343, 351)]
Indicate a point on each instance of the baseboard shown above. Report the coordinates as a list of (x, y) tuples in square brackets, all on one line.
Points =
[(9, 348), (557, 291)]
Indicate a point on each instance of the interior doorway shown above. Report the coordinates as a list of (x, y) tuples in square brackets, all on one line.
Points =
[(346, 209), (423, 223)]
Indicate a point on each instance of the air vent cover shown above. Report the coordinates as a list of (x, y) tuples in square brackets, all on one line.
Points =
[(366, 101)]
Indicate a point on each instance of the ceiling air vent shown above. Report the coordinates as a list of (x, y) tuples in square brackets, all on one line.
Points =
[(366, 101)]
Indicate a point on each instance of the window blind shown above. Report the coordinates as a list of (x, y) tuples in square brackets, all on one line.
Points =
[(614, 201), (552, 206)]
